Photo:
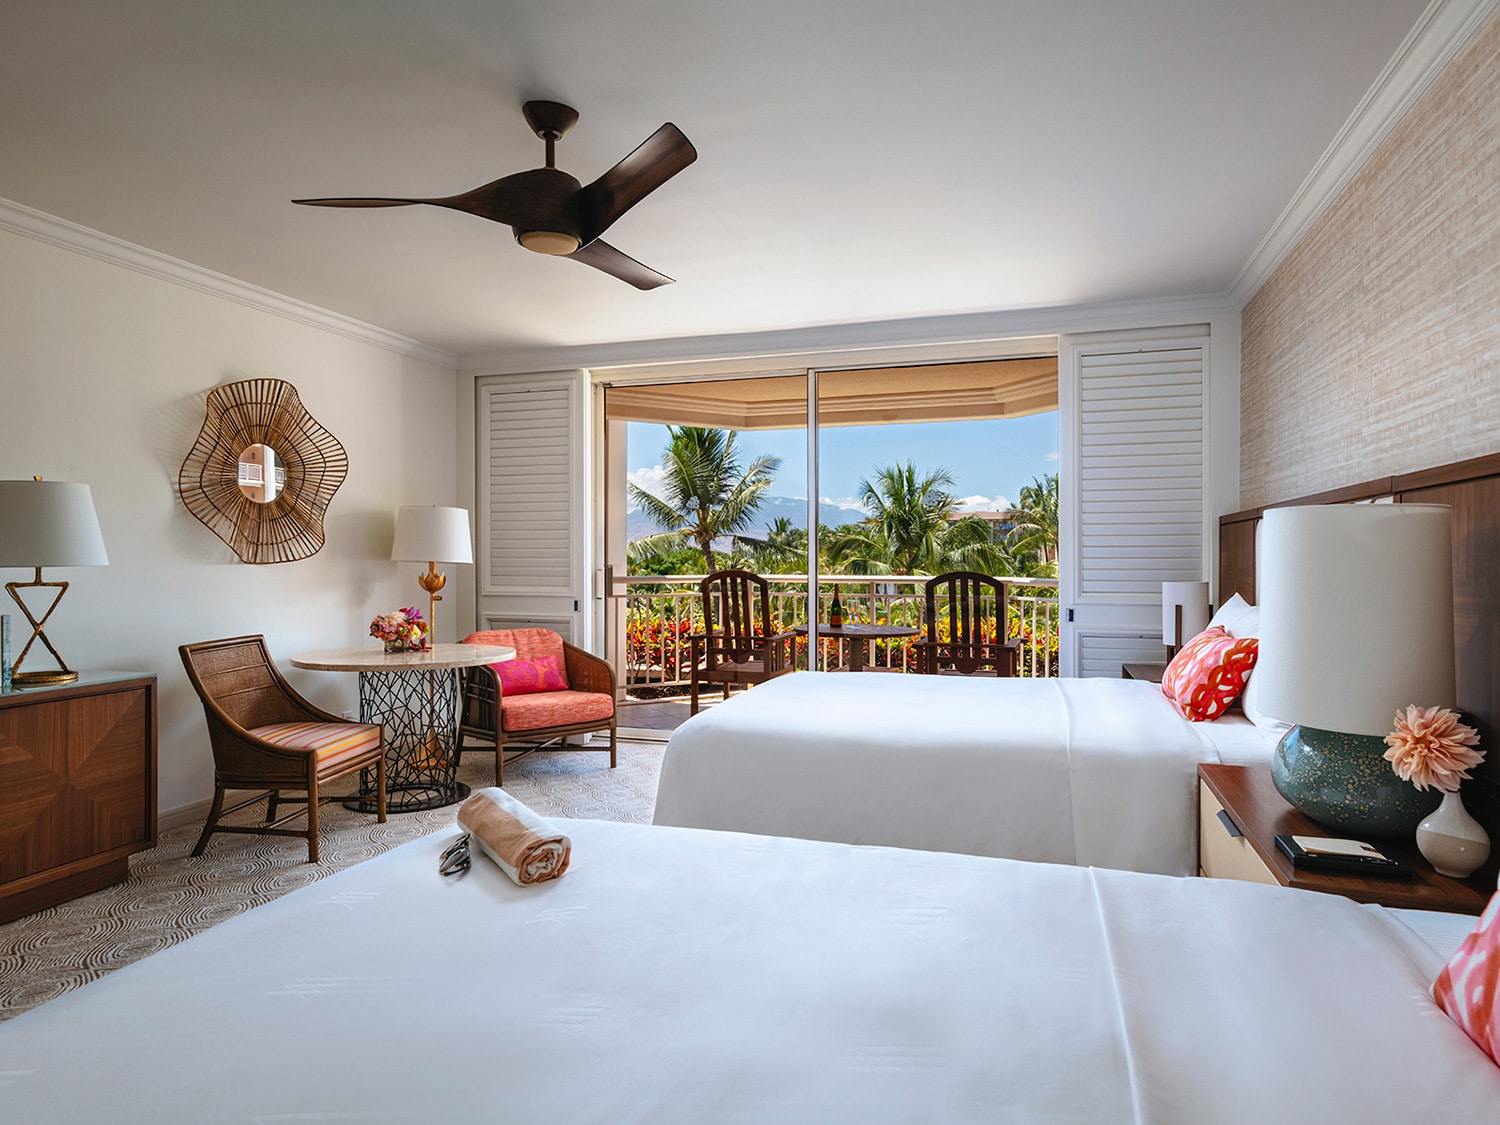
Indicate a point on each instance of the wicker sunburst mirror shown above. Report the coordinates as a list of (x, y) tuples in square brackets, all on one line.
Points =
[(263, 471)]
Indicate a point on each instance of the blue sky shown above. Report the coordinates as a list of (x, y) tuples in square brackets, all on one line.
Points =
[(990, 460)]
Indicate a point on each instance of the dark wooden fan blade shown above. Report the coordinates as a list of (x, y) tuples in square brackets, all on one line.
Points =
[(665, 153), (541, 199), (360, 202), (603, 256)]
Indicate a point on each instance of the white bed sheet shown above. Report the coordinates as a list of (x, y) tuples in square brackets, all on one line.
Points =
[(1095, 772), (682, 976)]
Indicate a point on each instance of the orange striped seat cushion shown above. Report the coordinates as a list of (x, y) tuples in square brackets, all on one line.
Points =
[(554, 709), (332, 743)]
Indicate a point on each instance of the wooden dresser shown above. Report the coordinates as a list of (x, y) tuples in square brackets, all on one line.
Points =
[(77, 787)]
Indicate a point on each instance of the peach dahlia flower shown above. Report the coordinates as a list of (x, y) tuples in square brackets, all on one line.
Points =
[(1431, 748)]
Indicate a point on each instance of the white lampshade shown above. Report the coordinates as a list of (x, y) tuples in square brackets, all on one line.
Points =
[(427, 533), (1193, 598), (49, 523), (1356, 614)]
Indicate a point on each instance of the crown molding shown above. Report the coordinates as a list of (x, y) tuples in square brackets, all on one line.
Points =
[(866, 343), (1438, 35), (31, 223)]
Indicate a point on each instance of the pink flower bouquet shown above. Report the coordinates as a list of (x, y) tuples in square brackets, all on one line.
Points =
[(1431, 748), (402, 631)]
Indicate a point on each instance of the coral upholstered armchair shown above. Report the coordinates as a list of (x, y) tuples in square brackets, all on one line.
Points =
[(549, 692)]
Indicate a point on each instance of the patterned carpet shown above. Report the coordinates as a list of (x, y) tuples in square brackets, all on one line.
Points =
[(171, 896)]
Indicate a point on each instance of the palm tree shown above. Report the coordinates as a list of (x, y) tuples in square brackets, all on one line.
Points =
[(782, 551), (911, 529), (1033, 535), (705, 493)]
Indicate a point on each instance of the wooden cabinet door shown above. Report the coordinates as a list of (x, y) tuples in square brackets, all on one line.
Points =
[(77, 774)]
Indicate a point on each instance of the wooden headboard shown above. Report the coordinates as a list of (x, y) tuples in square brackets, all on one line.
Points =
[(1472, 489)]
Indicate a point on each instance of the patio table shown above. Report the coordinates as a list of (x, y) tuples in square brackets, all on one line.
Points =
[(859, 636)]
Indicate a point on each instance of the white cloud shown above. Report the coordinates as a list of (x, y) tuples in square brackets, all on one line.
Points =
[(649, 480), (1050, 456), (981, 504), (848, 504)]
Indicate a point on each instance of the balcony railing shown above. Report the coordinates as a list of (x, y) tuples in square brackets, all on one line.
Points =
[(662, 613)]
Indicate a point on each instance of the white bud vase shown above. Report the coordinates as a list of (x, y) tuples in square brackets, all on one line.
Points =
[(1452, 840)]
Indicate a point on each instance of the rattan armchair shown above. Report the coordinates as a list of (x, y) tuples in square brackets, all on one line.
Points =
[(267, 737), (544, 720)]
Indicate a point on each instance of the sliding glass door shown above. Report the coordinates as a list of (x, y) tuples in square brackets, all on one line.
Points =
[(700, 476), (931, 469)]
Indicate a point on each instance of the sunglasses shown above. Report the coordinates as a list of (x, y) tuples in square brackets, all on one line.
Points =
[(455, 861)]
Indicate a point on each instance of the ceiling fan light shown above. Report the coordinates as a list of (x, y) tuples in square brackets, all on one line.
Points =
[(548, 242)]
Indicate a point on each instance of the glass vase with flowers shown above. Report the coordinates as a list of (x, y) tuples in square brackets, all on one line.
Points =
[(402, 631)]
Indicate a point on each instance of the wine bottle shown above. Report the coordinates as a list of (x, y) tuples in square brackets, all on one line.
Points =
[(835, 611)]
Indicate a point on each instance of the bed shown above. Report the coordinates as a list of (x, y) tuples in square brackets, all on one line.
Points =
[(1095, 772), (676, 975)]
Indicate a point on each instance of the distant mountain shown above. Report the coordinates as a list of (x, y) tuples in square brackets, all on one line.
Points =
[(795, 511)]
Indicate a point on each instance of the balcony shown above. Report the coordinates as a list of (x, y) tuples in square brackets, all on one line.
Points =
[(662, 612)]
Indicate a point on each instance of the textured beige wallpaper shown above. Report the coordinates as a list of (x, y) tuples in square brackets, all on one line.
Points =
[(1374, 348)]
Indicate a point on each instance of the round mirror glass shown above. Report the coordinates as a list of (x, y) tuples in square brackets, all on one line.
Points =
[(261, 475)]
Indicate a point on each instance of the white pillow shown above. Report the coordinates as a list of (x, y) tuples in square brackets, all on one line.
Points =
[(1239, 618), (1243, 620), (1250, 701)]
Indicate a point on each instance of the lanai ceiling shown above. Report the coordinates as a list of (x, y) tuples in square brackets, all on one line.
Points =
[(859, 161)]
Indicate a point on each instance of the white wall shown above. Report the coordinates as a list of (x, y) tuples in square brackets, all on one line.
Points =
[(103, 374)]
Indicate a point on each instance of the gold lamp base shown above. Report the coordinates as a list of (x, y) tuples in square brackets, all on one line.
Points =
[(62, 674), (43, 679), (432, 582)]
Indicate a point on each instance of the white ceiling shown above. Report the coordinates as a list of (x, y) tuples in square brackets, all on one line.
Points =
[(859, 160)]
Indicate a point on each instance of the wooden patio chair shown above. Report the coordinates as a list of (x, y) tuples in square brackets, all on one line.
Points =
[(737, 645), (974, 607), (557, 691), (267, 737)]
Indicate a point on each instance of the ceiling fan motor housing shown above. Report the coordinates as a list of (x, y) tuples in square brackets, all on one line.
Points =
[(552, 223)]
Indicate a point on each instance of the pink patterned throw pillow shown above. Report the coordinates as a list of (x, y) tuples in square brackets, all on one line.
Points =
[(540, 663), (1209, 673), (1468, 988), (523, 676)]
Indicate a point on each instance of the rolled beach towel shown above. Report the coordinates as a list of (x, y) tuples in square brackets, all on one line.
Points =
[(524, 845)]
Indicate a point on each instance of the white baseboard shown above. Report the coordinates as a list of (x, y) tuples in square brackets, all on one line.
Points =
[(183, 814)]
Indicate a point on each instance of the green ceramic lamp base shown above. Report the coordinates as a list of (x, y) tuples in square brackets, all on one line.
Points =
[(1344, 782)]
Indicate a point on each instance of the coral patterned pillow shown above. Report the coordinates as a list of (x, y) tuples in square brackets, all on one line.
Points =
[(1209, 673), (539, 663), (521, 676), (1468, 988)]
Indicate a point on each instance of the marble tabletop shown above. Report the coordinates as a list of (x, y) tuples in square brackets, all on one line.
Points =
[(372, 658)]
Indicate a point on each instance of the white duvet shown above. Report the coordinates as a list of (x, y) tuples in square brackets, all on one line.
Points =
[(1095, 772), (682, 976)]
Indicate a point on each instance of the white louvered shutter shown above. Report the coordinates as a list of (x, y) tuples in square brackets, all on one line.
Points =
[(1140, 471), (530, 498), (1134, 489)]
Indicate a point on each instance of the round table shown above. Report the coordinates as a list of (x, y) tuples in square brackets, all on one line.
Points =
[(414, 696), (861, 634)]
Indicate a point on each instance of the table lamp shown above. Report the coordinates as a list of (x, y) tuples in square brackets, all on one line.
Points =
[(46, 523), (1356, 623), (431, 534), (1184, 612)]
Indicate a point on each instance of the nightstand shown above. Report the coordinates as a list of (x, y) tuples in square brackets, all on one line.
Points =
[(1149, 672), (1240, 814)]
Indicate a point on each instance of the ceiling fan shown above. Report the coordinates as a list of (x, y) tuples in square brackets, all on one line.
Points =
[(551, 212)]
